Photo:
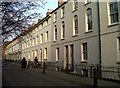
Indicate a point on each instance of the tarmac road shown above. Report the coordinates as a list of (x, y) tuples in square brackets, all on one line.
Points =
[(14, 75)]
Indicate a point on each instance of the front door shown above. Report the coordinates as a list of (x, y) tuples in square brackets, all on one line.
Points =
[(72, 56), (66, 57), (40, 55)]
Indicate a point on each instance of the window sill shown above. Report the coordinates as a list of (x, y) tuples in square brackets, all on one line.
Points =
[(54, 21), (62, 38), (113, 24), (84, 61), (62, 17), (88, 31), (54, 41), (86, 3), (74, 10), (45, 59), (75, 35), (118, 62)]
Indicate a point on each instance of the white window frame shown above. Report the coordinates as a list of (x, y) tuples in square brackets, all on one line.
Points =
[(33, 54), (87, 1), (113, 13), (46, 36), (55, 16), (75, 4), (118, 49), (74, 26), (63, 30), (39, 27), (87, 22), (55, 36), (62, 12), (45, 53), (36, 53), (83, 53), (41, 38), (57, 54), (36, 40)]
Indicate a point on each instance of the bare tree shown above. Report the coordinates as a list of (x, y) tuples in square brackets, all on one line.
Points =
[(16, 17)]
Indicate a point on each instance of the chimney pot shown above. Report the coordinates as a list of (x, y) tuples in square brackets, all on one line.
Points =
[(48, 12), (60, 2)]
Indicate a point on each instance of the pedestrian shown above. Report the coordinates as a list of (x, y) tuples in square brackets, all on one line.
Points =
[(44, 67), (24, 63), (35, 61)]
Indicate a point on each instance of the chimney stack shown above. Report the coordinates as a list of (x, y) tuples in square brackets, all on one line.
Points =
[(48, 12), (60, 2)]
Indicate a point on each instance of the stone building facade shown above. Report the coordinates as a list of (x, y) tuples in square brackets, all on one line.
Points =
[(75, 33)]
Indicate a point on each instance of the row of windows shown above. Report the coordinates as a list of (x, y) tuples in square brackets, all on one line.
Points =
[(62, 31), (35, 41), (84, 52), (75, 25), (113, 12), (14, 48), (89, 22), (40, 26), (35, 53)]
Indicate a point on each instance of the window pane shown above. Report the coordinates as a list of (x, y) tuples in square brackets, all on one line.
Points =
[(89, 18), (116, 17), (112, 18), (55, 34), (114, 12), (75, 4), (115, 6), (84, 49), (76, 24), (111, 8)]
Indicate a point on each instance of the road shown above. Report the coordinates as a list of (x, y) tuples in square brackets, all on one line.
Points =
[(14, 75)]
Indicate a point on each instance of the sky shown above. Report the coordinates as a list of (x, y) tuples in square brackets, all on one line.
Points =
[(52, 5), (49, 5)]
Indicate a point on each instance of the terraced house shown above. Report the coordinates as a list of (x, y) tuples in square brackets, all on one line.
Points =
[(14, 49), (75, 33), (38, 41)]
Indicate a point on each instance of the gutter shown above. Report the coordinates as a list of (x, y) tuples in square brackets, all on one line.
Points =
[(100, 61)]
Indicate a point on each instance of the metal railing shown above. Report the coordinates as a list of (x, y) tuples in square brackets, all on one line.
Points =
[(87, 70), (105, 72)]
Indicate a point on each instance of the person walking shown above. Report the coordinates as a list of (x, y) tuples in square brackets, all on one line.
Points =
[(44, 67), (24, 63), (35, 61)]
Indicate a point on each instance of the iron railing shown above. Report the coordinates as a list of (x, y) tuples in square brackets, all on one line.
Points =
[(105, 72)]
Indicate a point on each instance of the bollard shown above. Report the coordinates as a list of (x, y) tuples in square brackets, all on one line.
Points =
[(43, 70), (95, 77), (91, 72)]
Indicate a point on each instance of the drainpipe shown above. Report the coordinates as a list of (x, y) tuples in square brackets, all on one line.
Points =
[(99, 38)]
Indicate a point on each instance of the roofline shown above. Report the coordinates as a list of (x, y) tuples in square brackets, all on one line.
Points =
[(31, 28), (59, 7), (36, 25)]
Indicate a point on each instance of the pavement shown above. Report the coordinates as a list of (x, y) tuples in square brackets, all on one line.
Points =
[(84, 81)]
